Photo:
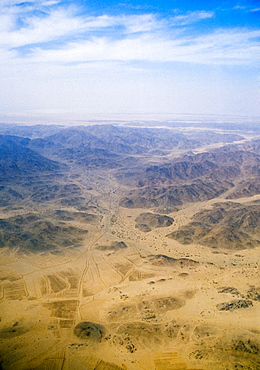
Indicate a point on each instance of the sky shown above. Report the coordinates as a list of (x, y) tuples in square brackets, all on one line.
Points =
[(131, 57)]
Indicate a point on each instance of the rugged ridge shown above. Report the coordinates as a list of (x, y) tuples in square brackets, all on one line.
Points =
[(227, 225), (17, 159)]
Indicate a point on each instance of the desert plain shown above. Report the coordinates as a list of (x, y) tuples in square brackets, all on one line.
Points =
[(129, 248)]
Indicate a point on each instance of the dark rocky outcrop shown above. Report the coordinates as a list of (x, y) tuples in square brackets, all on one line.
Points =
[(234, 305)]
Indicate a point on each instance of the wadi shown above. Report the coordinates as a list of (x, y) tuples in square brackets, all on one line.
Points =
[(129, 247)]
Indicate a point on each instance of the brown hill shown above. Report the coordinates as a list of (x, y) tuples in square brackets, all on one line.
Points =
[(228, 225), (148, 221), (193, 178), (164, 261), (148, 197), (223, 164), (34, 233)]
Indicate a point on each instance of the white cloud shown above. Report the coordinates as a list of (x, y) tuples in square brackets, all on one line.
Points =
[(239, 7), (37, 29), (140, 23), (64, 22), (248, 8), (191, 17), (132, 38), (222, 47), (29, 3), (9, 2)]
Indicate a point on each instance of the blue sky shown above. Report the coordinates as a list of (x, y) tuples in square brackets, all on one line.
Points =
[(129, 57)]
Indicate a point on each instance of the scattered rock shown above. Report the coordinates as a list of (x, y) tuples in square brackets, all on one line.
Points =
[(233, 305), (254, 293), (246, 346), (230, 290)]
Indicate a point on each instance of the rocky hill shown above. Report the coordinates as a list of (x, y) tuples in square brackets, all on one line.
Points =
[(193, 178), (107, 145), (45, 232), (17, 159), (148, 221), (227, 225)]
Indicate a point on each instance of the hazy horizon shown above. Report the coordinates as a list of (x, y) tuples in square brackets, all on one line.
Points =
[(151, 119)]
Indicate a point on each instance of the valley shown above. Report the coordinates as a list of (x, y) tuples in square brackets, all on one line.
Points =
[(129, 248)]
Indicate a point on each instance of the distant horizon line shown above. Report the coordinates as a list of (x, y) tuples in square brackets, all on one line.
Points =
[(74, 118)]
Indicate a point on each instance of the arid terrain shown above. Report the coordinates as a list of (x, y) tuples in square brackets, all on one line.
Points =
[(129, 248)]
